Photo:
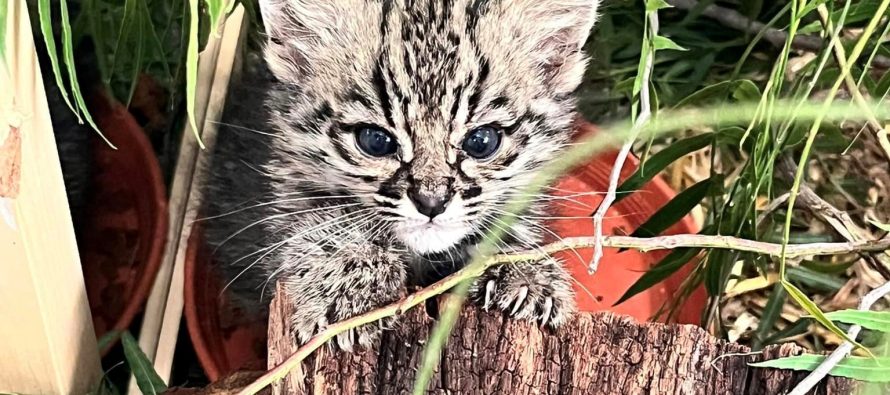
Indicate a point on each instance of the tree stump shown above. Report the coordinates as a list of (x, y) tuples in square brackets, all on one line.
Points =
[(600, 353)]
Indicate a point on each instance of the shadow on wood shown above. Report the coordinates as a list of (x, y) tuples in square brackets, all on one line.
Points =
[(488, 354)]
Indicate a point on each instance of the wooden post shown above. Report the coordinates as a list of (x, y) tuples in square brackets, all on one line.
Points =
[(163, 311), (47, 341), (488, 354)]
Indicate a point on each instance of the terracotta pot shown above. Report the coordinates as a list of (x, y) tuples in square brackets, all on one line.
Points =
[(122, 239), (232, 341)]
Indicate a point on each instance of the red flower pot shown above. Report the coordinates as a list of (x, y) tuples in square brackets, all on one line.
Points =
[(231, 341), (122, 239)]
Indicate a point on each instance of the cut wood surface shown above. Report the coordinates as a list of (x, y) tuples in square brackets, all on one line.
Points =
[(599, 353), (47, 342)]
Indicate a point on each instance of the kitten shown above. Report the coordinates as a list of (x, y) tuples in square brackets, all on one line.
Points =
[(384, 142)]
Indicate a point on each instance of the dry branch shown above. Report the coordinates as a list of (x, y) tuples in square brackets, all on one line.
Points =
[(644, 244), (490, 354)]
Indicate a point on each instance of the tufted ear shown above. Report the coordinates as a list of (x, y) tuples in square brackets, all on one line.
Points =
[(304, 32), (551, 32)]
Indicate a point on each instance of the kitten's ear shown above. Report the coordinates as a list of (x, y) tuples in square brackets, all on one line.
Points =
[(553, 33), (300, 32)]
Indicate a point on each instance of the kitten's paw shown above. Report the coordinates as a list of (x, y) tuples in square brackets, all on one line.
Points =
[(363, 337), (538, 291)]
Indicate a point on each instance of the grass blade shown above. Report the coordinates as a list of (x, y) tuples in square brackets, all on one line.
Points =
[(664, 269), (875, 370), (46, 27), (872, 320), (659, 161), (675, 210), (810, 307), (68, 53), (146, 378), (191, 68)]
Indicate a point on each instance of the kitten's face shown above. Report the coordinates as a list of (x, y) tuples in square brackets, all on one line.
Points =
[(433, 112)]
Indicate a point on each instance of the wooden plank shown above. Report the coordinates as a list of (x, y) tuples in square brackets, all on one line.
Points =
[(160, 327), (48, 344)]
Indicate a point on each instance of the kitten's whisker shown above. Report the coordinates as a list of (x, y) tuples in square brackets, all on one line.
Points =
[(244, 128), (282, 215), (270, 249), (308, 198)]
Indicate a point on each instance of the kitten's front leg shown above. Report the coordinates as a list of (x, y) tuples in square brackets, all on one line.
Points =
[(325, 291), (535, 290)]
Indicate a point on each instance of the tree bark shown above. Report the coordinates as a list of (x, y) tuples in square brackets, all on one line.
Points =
[(600, 353)]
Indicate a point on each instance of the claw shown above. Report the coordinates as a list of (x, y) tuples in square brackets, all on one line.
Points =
[(523, 292), (489, 290), (344, 341), (548, 308)]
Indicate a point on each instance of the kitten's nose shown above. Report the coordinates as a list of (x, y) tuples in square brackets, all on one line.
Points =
[(429, 205)]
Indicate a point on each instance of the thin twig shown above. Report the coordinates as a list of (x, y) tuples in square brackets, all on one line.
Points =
[(642, 244), (645, 114), (837, 219), (738, 21), (844, 349)]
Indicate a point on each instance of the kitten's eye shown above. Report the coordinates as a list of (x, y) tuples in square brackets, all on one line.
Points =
[(375, 142), (482, 142)]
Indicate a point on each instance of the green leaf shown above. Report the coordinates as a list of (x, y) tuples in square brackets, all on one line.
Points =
[(46, 27), (814, 279), (664, 269), (881, 226), (108, 338), (771, 313), (655, 5), (828, 267), (661, 42), (675, 210), (3, 11), (146, 378), (659, 161), (191, 68), (876, 370), (810, 307), (799, 327), (872, 320), (68, 53), (743, 90), (215, 8)]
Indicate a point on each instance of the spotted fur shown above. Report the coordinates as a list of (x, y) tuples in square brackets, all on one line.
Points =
[(292, 198)]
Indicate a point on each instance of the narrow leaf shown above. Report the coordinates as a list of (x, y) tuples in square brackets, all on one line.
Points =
[(215, 9), (739, 89), (875, 370), (873, 320), (655, 5), (46, 27), (674, 210), (3, 11), (810, 307), (659, 161), (661, 42), (879, 225), (664, 269), (68, 53), (107, 339), (146, 378), (771, 313), (191, 68)]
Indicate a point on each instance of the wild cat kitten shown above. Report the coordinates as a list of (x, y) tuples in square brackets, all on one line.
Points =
[(383, 146)]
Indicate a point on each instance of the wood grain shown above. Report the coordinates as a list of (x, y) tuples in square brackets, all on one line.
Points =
[(487, 353), (47, 341)]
